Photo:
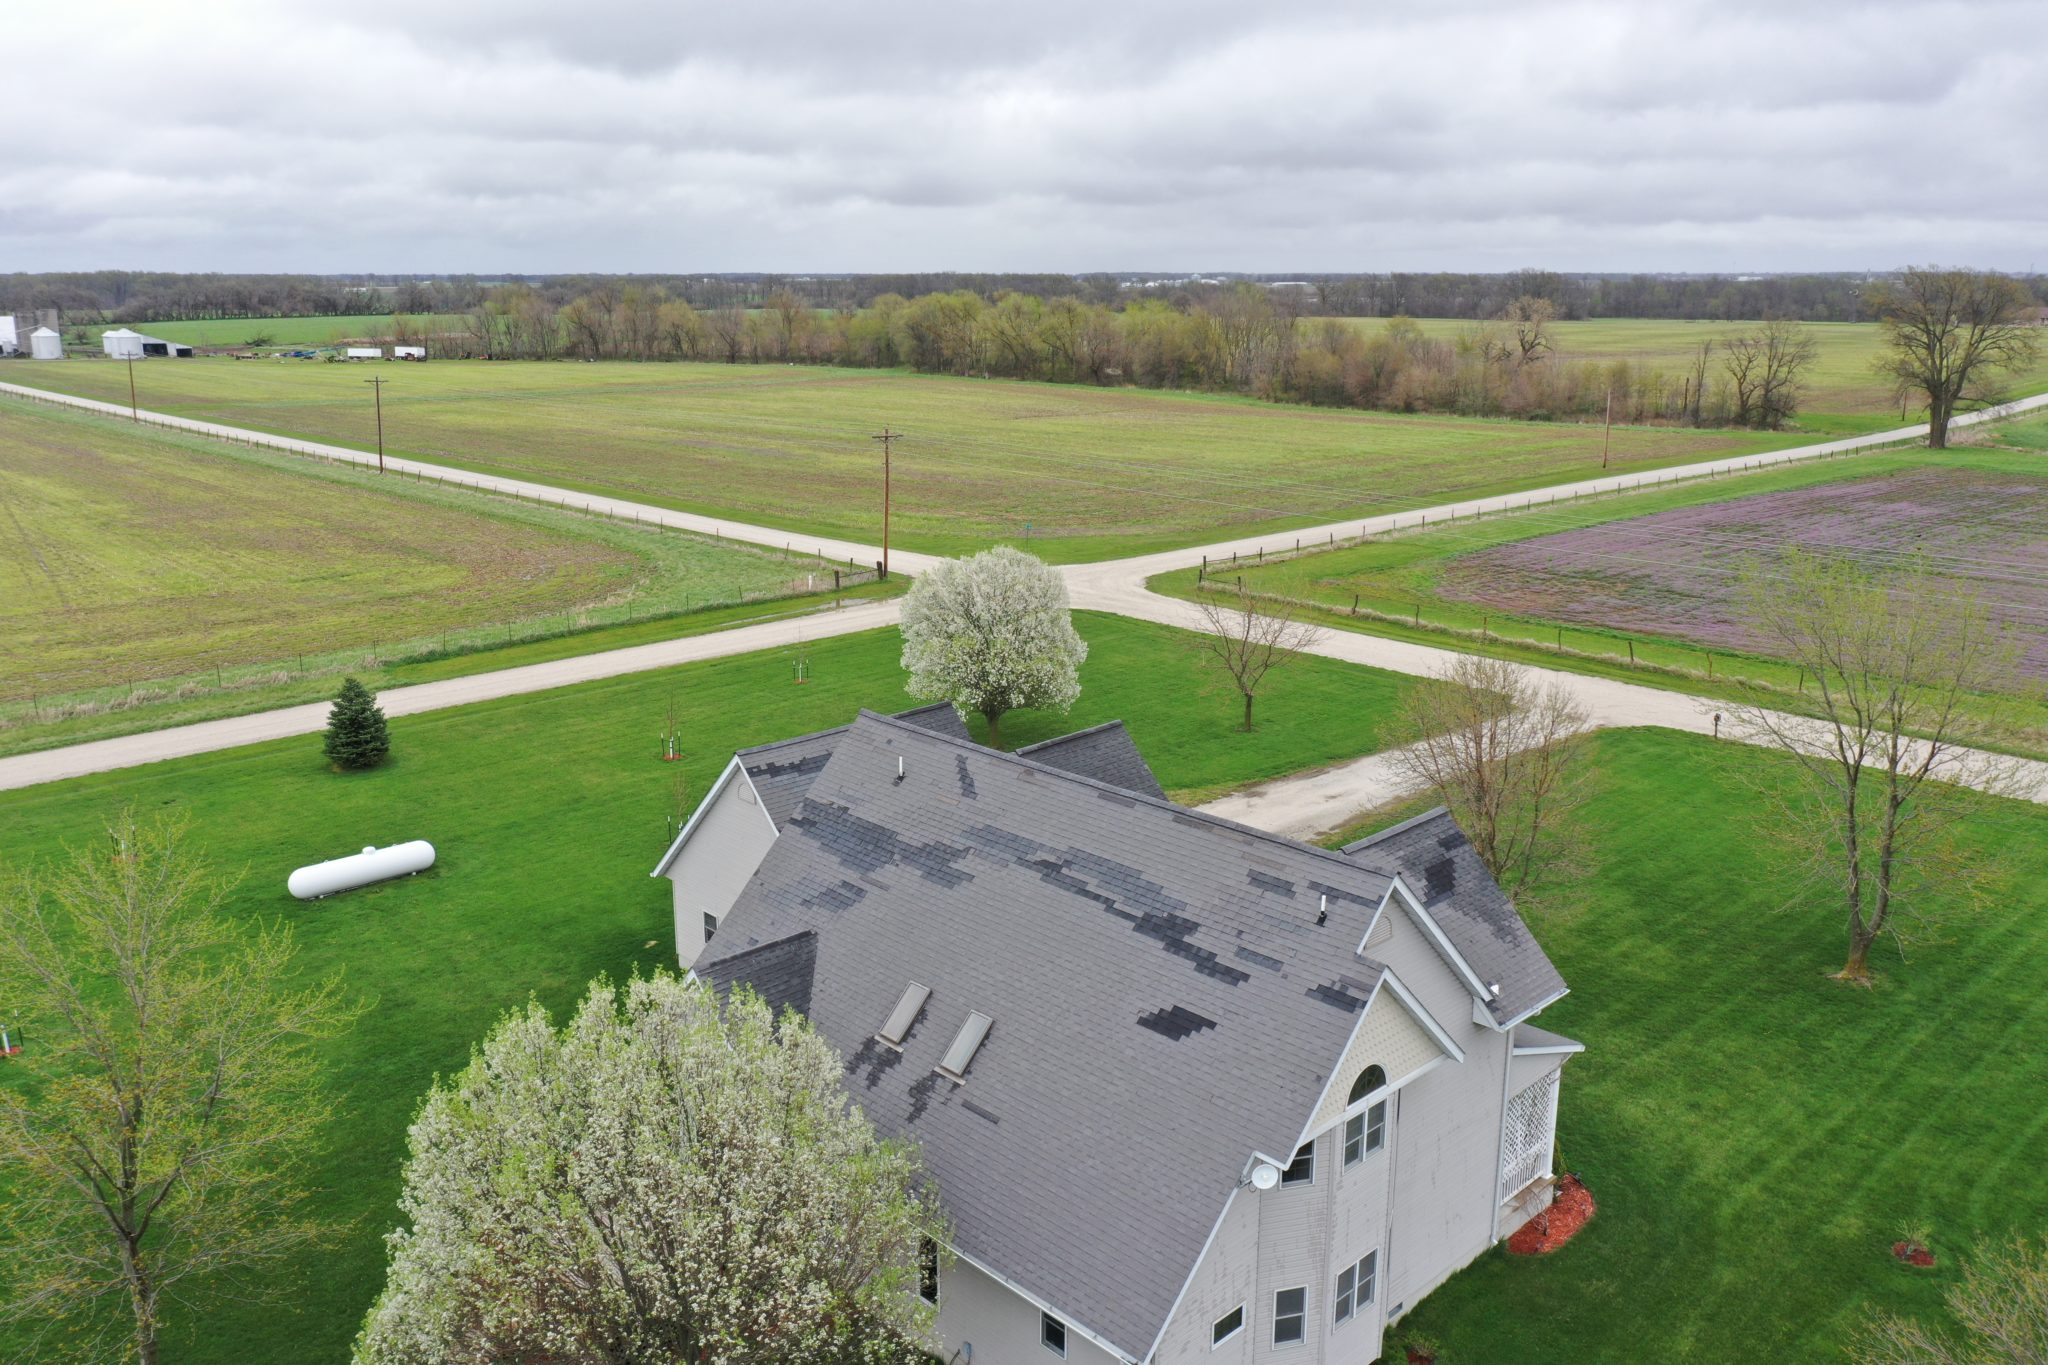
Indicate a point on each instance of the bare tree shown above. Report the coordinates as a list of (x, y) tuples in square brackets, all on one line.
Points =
[(1245, 644), (1766, 369), (1896, 668), (2001, 1306), (171, 1094), (728, 332), (1529, 318), (1696, 382), (1952, 335), (1506, 755)]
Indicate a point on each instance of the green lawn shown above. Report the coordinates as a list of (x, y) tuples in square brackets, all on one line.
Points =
[(132, 556), (1844, 394), (1756, 1134), (289, 333), (547, 812), (1077, 473)]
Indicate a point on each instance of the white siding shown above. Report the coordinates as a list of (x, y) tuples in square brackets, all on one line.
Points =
[(1529, 1070), (1002, 1325), (730, 838)]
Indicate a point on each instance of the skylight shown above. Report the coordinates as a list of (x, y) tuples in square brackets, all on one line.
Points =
[(904, 1015), (964, 1045)]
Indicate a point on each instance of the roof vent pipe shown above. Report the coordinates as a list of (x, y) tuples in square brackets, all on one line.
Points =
[(899, 767), (1323, 911)]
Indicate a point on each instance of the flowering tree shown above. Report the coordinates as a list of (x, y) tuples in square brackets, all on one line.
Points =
[(664, 1179), (991, 633)]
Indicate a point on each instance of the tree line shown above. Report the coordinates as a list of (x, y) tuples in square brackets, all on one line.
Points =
[(95, 296)]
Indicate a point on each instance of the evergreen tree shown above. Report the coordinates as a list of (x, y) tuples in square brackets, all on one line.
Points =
[(356, 734)]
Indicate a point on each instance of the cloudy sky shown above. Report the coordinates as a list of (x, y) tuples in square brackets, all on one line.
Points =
[(559, 135)]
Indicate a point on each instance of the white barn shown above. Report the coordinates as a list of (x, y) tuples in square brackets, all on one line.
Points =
[(45, 344), (10, 337), (122, 343)]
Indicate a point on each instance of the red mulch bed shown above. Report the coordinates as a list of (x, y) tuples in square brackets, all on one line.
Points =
[(1558, 1224), (1912, 1253)]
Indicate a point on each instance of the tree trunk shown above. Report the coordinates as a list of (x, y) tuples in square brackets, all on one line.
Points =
[(1859, 948), (1247, 712), (1938, 414), (142, 1298), (995, 728)]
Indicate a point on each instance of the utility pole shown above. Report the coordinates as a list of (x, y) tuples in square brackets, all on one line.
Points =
[(134, 413), (1608, 434), (886, 438), (377, 387)]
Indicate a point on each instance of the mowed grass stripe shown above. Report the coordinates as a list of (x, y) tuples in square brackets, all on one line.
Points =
[(1080, 473)]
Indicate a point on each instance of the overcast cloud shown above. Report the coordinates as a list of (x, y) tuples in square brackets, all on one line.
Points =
[(541, 136)]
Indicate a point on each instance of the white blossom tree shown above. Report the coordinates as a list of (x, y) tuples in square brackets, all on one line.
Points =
[(666, 1178), (992, 633)]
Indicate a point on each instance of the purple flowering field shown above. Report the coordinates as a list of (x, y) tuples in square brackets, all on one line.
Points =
[(1675, 573)]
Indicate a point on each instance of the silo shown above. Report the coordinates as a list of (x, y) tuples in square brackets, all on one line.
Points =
[(122, 343), (45, 344)]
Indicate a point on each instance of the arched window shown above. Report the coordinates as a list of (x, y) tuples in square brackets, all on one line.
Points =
[(1371, 1079)]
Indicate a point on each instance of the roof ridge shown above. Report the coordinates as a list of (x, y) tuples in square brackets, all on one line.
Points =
[(1073, 734), (1410, 823), (1189, 812)]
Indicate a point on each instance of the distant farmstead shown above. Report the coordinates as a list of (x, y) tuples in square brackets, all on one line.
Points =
[(122, 343)]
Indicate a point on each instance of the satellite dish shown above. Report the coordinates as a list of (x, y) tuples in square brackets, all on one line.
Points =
[(1265, 1177)]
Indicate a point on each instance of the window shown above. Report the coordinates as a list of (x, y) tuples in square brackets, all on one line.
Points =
[(1371, 1079), (1356, 1285), (1227, 1326), (1301, 1170), (1053, 1333), (928, 1271), (954, 1064), (904, 1015), (1290, 1317), (710, 925), (1365, 1133)]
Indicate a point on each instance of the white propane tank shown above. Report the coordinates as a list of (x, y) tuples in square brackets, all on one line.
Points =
[(360, 869)]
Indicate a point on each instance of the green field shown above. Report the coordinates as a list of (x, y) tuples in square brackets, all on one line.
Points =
[(130, 555), (547, 812), (1078, 473), (1844, 396), (284, 333), (1758, 1135)]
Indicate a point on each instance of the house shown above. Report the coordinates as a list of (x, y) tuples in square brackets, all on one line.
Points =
[(1191, 1091), (122, 343)]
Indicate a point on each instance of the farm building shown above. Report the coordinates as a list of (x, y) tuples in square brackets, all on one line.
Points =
[(366, 353), (10, 338), (45, 344), (408, 353), (122, 343), (1193, 1092)]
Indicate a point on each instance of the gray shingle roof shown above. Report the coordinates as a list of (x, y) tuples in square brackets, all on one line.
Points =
[(1164, 1002), (1438, 863), (1105, 752), (781, 772)]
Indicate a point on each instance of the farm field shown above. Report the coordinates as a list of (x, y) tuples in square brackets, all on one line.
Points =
[(1074, 473), (1844, 394), (284, 333), (131, 555), (547, 812), (1611, 613), (1678, 572)]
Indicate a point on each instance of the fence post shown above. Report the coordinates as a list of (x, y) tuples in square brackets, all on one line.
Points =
[(1354, 604), (1631, 653)]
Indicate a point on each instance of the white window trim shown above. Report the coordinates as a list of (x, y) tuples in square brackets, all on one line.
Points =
[(1274, 1342), (1235, 1332), (1043, 1319)]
